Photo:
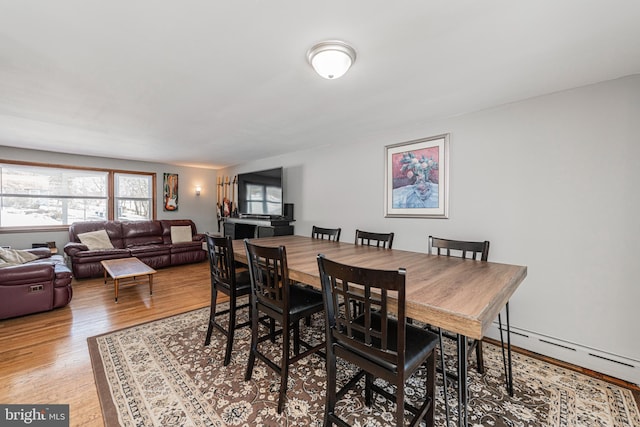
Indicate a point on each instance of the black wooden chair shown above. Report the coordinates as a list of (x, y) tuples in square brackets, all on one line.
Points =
[(380, 240), (225, 279), (368, 238), (332, 234), (379, 341), (478, 251), (272, 293)]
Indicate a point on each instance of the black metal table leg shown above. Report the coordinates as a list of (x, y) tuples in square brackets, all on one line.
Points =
[(506, 358), (462, 381), (510, 373)]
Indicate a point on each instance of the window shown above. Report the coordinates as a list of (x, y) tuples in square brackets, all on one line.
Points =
[(50, 197), (133, 196)]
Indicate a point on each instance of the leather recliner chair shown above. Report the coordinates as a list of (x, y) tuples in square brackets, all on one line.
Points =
[(39, 285)]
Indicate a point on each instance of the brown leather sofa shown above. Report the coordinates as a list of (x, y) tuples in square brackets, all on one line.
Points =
[(149, 241), (39, 285)]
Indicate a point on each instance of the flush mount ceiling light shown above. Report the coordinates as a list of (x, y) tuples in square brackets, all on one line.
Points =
[(331, 58)]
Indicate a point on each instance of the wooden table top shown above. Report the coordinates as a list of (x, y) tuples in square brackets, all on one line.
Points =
[(122, 268), (461, 296)]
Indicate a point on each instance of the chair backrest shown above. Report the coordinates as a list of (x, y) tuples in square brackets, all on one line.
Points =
[(221, 260), (269, 276), (332, 234), (367, 238), (459, 248), (365, 333)]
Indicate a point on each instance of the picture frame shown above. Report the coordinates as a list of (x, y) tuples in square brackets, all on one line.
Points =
[(417, 178), (170, 192)]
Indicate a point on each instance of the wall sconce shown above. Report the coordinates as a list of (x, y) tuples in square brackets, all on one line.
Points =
[(198, 190)]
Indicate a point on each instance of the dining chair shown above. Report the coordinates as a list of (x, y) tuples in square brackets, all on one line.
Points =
[(378, 341), (367, 238), (273, 294), (476, 251), (332, 234), (225, 279)]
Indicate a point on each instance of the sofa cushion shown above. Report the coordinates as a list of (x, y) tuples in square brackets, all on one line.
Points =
[(99, 255), (141, 233), (181, 234), (149, 250), (95, 240), (186, 247)]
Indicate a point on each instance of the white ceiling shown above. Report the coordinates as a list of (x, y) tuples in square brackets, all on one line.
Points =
[(213, 83)]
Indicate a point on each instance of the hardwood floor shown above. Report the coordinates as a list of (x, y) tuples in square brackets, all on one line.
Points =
[(44, 357)]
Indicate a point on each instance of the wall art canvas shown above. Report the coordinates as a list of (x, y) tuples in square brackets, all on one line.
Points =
[(417, 178)]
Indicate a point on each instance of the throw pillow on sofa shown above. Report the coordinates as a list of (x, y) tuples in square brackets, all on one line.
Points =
[(181, 234), (10, 257), (95, 240)]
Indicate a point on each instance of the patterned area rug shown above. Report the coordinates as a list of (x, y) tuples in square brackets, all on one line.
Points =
[(160, 374)]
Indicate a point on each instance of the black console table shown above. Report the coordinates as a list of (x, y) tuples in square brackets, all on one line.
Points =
[(249, 227)]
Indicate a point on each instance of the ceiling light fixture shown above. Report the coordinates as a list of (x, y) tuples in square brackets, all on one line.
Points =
[(331, 58)]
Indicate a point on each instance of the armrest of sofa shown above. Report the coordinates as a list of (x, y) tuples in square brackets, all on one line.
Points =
[(73, 248), (198, 237), (27, 273)]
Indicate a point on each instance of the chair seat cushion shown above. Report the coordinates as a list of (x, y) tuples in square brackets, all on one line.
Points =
[(243, 282), (304, 301), (419, 342)]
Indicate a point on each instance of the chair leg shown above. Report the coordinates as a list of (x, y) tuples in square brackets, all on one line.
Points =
[(430, 387), (400, 403), (254, 342), (296, 338), (331, 387), (272, 329), (212, 315), (479, 357), (368, 391), (284, 367), (231, 330)]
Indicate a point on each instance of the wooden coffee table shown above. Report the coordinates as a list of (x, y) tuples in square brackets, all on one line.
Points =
[(126, 268)]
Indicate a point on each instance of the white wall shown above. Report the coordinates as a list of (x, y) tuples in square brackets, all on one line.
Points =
[(550, 181), (201, 210)]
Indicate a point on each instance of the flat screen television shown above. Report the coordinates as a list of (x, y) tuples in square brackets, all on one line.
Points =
[(260, 193)]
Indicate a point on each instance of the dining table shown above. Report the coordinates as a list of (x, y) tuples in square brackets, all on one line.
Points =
[(462, 296)]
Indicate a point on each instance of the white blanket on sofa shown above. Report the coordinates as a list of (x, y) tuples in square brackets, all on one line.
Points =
[(11, 257)]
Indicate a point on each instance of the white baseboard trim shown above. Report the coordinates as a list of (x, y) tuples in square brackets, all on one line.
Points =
[(596, 360)]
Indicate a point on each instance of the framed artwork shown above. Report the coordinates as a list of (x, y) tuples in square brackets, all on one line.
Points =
[(417, 178), (170, 192)]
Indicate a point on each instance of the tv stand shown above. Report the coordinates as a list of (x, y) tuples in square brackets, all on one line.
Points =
[(252, 226)]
